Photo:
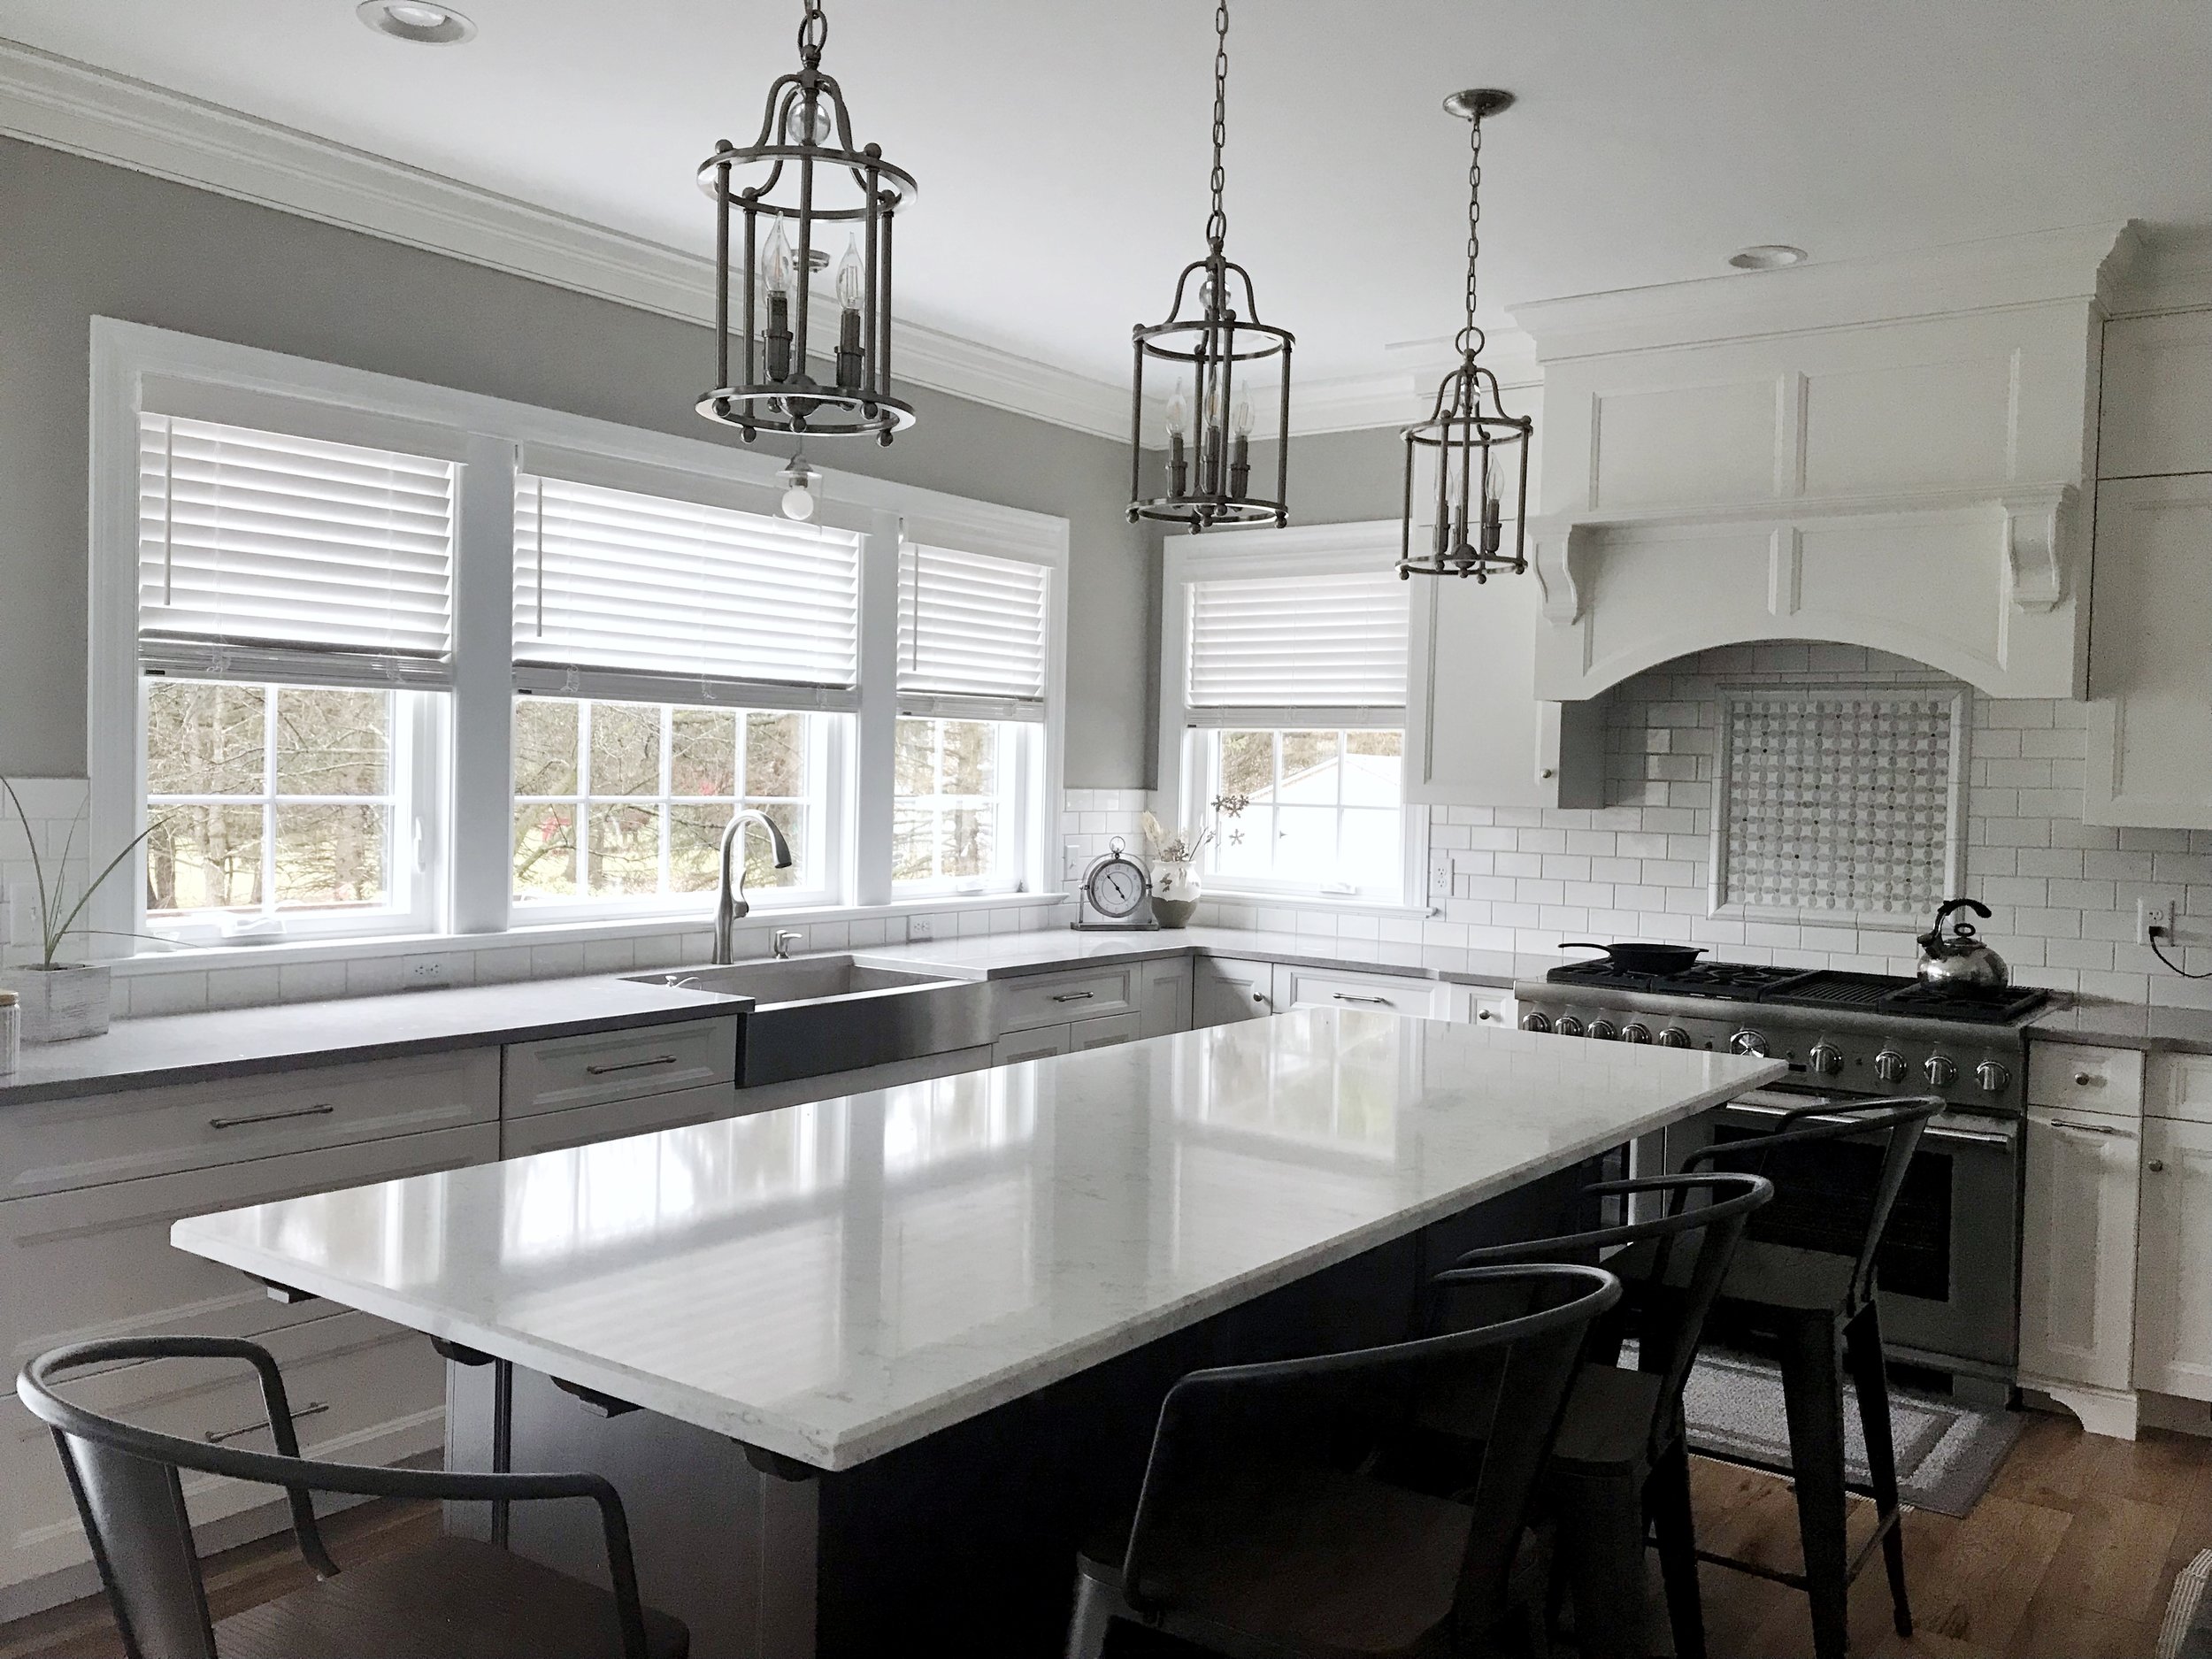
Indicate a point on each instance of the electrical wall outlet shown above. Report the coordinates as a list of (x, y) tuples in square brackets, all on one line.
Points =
[(1072, 863), (1440, 875), (427, 973), (919, 928), (2153, 913)]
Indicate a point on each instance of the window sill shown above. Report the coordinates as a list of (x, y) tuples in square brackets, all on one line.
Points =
[(200, 959)]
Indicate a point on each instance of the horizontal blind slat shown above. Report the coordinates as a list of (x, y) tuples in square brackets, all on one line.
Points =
[(611, 580), (1302, 642), (972, 632), (287, 547)]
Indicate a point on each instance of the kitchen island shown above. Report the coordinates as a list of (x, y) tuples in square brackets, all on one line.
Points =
[(869, 1367)]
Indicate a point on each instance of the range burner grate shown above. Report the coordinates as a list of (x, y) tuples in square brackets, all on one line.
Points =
[(1818, 987)]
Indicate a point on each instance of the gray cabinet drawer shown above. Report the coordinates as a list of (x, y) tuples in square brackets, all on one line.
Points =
[(1382, 992), (1109, 1031), (95, 1140), (557, 1132), (1059, 999), (561, 1073)]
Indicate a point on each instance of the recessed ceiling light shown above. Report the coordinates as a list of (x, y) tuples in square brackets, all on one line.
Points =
[(411, 20), (1768, 255)]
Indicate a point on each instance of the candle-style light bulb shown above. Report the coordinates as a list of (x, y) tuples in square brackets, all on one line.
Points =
[(777, 259), (776, 270), (1241, 446), (849, 287), (1178, 462), (1240, 417), (1177, 412), (849, 283)]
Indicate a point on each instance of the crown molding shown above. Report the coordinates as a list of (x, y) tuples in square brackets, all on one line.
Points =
[(2170, 270), (2079, 263), (64, 104)]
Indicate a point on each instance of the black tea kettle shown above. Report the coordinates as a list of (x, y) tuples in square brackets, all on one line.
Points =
[(1959, 957)]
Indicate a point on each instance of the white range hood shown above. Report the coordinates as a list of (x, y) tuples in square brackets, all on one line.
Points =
[(1887, 454)]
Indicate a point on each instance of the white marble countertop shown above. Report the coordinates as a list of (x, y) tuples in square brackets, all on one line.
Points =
[(1003, 956), (240, 1041), (833, 1280), (2128, 1025)]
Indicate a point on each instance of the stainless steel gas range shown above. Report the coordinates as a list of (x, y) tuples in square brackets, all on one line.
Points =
[(1949, 1266)]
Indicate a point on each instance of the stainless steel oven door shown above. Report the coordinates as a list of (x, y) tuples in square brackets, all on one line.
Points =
[(1946, 1275)]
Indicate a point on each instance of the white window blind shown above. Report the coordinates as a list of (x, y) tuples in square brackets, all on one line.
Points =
[(972, 635), (1266, 648), (651, 597), (266, 556)]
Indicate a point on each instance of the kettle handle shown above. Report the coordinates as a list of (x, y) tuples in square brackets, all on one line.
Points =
[(1975, 905)]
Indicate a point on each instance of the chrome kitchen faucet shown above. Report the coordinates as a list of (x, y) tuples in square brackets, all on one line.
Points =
[(729, 891)]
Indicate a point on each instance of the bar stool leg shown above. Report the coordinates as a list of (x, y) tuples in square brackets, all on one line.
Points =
[(1094, 1612), (1862, 1347), (1667, 1495), (1812, 1395), (1602, 1538)]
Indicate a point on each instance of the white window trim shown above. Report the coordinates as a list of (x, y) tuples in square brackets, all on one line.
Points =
[(1318, 549), (488, 434)]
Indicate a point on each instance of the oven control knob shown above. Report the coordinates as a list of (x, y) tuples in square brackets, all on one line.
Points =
[(1747, 1042), (1568, 1026), (1674, 1037), (1602, 1030), (1826, 1060), (1889, 1065), (1942, 1071), (1636, 1033), (1994, 1078), (1536, 1022)]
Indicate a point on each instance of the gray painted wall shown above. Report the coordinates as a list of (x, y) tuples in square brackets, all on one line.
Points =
[(80, 239)]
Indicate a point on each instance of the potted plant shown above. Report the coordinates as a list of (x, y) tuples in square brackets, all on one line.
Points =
[(1175, 891), (60, 999)]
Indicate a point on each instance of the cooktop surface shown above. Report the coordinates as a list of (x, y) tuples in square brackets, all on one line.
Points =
[(1817, 989)]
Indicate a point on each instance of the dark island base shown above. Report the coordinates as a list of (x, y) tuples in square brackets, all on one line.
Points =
[(965, 1542)]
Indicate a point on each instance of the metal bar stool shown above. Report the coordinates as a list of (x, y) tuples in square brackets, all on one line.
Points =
[(457, 1599), (1819, 1309), (1621, 1462), (1270, 1524)]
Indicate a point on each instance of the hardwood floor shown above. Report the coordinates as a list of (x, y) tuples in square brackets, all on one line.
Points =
[(2070, 1555)]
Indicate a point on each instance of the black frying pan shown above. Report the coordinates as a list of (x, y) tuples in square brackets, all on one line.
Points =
[(1639, 958)]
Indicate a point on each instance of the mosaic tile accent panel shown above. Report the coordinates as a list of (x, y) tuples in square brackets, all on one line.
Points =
[(1841, 799)]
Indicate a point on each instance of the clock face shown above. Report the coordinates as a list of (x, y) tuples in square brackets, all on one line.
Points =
[(1116, 886)]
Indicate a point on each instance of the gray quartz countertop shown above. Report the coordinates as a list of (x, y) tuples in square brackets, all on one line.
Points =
[(239, 1041), (234, 1042), (1003, 956), (2129, 1025)]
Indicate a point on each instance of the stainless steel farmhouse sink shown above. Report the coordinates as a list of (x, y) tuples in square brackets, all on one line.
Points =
[(814, 1015)]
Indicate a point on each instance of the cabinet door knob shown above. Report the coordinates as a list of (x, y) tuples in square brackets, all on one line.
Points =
[(1482, 1013), (2155, 1166), (2087, 1080)]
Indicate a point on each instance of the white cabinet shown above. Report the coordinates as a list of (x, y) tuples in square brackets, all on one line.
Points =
[(2151, 655), (1381, 992), (2173, 1275), (1476, 732), (562, 1073), (2077, 1263), (1038, 1043), (1481, 1005), (1057, 999), (1225, 989), (1166, 987), (2156, 412)]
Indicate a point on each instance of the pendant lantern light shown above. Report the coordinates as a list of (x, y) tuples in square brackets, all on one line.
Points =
[(1225, 366), (1481, 452), (780, 202)]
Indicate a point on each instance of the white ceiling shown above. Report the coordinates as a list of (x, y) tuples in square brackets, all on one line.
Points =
[(1061, 146)]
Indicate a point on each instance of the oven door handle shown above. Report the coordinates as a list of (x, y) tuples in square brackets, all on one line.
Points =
[(1933, 1131)]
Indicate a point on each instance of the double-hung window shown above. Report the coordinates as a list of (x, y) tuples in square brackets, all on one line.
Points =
[(294, 654), (974, 632), (1287, 685), (677, 658)]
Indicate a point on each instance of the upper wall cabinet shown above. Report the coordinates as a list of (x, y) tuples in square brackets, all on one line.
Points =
[(2157, 404), (1877, 455)]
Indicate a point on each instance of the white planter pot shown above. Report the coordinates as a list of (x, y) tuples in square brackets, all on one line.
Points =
[(60, 1002), (1174, 893)]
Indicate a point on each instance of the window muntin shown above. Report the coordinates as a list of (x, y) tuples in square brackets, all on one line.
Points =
[(956, 804), (1324, 810), (274, 800), (621, 805)]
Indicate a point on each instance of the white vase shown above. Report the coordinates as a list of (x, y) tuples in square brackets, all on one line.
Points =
[(1175, 893), (65, 1001)]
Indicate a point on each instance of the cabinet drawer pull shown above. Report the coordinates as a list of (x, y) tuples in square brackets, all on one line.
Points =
[(2087, 1129), (2087, 1080), (216, 1437), (270, 1118), (1346, 996), (630, 1065), (1483, 1013), (1073, 996)]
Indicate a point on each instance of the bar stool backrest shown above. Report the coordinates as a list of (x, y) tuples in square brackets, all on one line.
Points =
[(1229, 1437), (1668, 1318), (1900, 1118)]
